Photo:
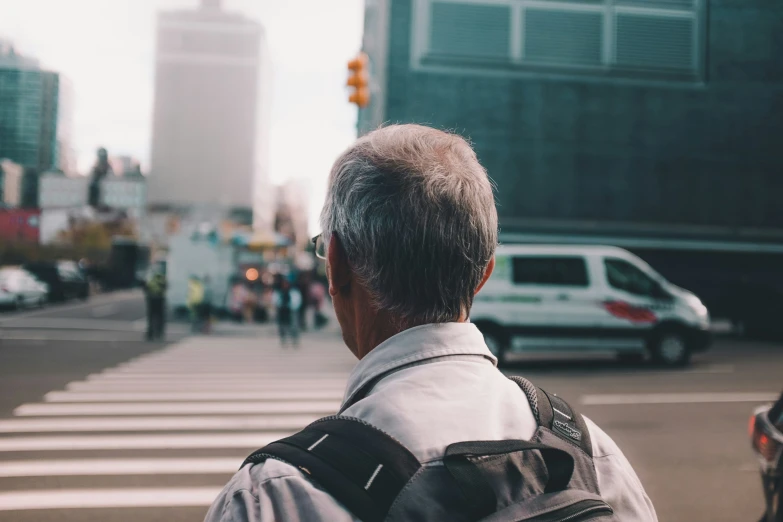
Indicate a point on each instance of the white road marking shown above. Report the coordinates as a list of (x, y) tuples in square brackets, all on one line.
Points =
[(296, 381), (175, 408), (250, 441), (676, 398), (222, 367), (185, 423), (107, 498), (171, 396), (196, 386), (73, 336), (88, 467)]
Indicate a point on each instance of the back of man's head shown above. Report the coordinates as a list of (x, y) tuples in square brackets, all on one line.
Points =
[(415, 213)]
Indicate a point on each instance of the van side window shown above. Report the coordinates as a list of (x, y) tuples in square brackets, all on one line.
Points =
[(625, 276), (557, 271)]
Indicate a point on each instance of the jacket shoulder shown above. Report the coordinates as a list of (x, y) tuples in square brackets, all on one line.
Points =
[(265, 491), (617, 481)]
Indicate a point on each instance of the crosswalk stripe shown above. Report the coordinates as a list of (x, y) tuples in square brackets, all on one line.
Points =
[(183, 423), (227, 440), (195, 386), (88, 467), (175, 408), (278, 380), (171, 396), (676, 398), (107, 498), (248, 369), (198, 396)]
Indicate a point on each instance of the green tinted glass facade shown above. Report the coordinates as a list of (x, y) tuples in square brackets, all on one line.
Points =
[(663, 114), (29, 101)]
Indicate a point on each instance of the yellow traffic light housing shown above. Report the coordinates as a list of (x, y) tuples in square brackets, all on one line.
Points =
[(359, 80)]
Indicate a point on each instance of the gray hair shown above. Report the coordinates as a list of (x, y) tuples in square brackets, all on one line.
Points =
[(415, 214)]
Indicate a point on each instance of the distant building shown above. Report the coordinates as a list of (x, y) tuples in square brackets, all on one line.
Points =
[(205, 136), (128, 193), (654, 118), (11, 175), (123, 165), (56, 190), (291, 216), (35, 114)]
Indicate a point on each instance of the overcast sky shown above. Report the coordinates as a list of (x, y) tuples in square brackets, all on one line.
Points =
[(106, 49)]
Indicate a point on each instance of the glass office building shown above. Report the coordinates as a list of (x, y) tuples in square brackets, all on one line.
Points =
[(35, 117)]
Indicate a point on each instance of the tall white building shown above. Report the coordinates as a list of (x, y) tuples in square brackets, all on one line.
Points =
[(210, 98)]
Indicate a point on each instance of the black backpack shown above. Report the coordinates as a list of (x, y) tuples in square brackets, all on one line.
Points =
[(550, 478)]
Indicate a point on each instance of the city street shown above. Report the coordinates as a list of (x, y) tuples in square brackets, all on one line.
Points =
[(96, 424)]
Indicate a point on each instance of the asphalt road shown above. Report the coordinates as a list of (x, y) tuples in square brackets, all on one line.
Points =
[(92, 415)]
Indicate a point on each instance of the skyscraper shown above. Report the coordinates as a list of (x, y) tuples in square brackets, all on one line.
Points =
[(205, 136), (35, 118)]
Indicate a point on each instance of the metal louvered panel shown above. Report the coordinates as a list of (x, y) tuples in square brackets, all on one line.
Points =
[(470, 30), (563, 37), (654, 41)]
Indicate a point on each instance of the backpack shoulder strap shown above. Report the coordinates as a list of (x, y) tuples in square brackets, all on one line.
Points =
[(555, 414), (361, 466)]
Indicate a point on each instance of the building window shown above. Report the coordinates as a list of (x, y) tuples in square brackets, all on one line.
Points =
[(661, 39)]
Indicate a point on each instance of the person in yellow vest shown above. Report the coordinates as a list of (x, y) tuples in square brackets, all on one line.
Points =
[(195, 301), (155, 292)]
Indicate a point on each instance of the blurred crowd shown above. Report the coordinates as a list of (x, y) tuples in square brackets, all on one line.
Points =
[(294, 300)]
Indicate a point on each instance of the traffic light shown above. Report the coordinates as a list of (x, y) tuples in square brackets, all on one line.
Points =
[(359, 79)]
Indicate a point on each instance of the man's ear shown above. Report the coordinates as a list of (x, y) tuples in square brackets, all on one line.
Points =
[(338, 270), (487, 273)]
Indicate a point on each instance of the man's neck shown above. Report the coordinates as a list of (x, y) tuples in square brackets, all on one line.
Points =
[(377, 327), (373, 330)]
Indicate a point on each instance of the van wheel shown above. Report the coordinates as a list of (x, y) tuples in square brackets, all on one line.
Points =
[(497, 343), (670, 348)]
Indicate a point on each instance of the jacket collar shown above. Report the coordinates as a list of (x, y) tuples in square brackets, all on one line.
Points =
[(416, 345)]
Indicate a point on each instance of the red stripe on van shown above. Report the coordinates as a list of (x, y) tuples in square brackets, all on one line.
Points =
[(633, 313)]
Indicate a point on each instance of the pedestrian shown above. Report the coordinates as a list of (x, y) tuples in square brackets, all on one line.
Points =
[(409, 231), (194, 302), (303, 285), (287, 302), (317, 296), (205, 310), (249, 303), (155, 294)]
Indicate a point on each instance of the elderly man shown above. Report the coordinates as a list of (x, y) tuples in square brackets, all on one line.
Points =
[(409, 235)]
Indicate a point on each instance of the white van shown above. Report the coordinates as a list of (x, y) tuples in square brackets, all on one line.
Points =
[(571, 298)]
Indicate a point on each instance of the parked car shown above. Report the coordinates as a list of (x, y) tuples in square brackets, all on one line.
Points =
[(587, 298), (64, 278), (19, 289), (766, 435)]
